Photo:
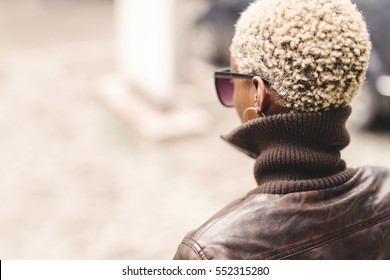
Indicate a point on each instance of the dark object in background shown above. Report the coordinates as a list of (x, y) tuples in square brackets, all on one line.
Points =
[(372, 104), (216, 29)]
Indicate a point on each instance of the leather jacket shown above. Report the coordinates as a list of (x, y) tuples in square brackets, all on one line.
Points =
[(307, 205)]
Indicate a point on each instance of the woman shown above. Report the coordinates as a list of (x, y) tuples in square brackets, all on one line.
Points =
[(295, 66)]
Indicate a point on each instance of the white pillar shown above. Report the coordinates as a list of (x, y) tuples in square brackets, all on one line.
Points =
[(146, 35)]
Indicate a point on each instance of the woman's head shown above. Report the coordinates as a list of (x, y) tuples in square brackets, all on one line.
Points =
[(313, 52)]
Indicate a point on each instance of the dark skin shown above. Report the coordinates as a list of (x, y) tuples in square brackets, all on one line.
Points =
[(245, 94)]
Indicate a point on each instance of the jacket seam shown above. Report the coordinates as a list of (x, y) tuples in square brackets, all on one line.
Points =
[(197, 249), (220, 219), (307, 246)]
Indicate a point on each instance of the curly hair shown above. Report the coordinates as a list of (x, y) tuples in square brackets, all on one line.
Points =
[(314, 52)]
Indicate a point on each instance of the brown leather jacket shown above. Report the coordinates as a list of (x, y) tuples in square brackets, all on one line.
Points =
[(307, 205)]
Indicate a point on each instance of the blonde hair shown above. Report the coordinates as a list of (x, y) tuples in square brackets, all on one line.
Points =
[(314, 52)]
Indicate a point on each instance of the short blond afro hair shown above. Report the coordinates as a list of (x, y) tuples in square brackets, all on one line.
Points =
[(314, 52)]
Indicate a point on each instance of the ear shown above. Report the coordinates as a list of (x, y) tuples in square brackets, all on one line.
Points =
[(262, 94)]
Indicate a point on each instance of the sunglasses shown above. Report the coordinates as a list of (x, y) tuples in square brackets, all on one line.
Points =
[(225, 86)]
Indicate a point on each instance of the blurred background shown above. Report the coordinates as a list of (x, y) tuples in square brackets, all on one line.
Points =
[(109, 127)]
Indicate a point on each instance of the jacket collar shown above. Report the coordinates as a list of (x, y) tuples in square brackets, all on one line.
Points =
[(296, 151)]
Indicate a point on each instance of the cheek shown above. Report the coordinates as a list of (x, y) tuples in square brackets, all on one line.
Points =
[(242, 97), (237, 98), (236, 95)]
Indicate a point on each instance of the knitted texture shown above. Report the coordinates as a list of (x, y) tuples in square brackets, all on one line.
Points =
[(314, 52), (296, 152)]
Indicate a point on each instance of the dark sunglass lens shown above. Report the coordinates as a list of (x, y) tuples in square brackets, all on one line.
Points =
[(225, 89)]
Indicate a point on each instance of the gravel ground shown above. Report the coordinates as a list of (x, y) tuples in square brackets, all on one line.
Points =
[(76, 182)]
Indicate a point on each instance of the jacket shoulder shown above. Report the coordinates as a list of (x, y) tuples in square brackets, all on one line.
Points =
[(376, 177), (189, 249), (375, 170), (218, 237), (207, 241), (264, 226)]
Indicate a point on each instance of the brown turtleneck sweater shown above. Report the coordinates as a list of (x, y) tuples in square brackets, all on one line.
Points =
[(296, 151), (307, 204)]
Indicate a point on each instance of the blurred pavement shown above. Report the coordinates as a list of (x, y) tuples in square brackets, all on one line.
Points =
[(77, 182)]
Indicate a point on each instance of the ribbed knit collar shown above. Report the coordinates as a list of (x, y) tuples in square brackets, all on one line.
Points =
[(296, 151)]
